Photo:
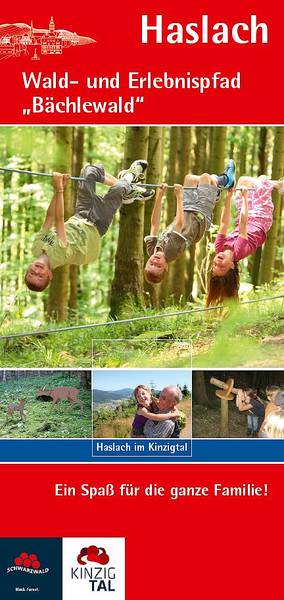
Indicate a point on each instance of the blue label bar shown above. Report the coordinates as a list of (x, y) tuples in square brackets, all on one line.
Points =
[(87, 450)]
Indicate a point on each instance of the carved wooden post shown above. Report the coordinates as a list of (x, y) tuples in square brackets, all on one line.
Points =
[(225, 395), (224, 422), (221, 384)]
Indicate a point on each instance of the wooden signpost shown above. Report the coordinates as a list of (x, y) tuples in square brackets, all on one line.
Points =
[(226, 393)]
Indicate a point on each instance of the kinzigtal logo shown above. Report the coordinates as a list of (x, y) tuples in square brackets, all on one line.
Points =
[(99, 567), (27, 563), (93, 554), (19, 39)]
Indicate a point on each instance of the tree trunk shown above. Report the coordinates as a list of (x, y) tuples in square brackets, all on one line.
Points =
[(177, 281), (262, 151), (154, 173), (127, 285), (262, 169), (269, 250), (190, 264), (78, 154), (86, 379), (201, 165), (91, 132), (256, 266), (170, 205), (199, 392), (242, 162), (59, 287), (254, 149), (200, 150), (217, 157), (232, 139)]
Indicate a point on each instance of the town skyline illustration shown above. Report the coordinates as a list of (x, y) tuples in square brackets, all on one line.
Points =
[(20, 39)]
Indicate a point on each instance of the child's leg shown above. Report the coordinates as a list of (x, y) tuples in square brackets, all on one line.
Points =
[(110, 179), (86, 193), (206, 179), (203, 198), (198, 205), (278, 185), (260, 203), (190, 195), (249, 424), (207, 193), (112, 200), (191, 180), (249, 182), (254, 423), (96, 209)]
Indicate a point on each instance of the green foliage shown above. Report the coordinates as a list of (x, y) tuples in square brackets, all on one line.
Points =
[(238, 339), (182, 420), (233, 339)]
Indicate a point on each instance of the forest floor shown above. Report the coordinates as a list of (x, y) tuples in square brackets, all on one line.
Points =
[(245, 336), (42, 419), (120, 426), (206, 422)]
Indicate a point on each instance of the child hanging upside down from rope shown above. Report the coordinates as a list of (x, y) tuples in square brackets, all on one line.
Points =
[(254, 219), (77, 241), (194, 210)]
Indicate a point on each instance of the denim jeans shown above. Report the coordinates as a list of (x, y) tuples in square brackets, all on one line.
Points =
[(252, 421)]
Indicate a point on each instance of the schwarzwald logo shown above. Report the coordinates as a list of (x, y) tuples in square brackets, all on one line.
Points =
[(28, 560), (27, 563)]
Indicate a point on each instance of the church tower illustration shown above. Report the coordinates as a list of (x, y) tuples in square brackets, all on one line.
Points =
[(51, 25), (51, 42)]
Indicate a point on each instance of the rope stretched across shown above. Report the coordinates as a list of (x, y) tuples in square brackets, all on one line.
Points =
[(36, 173), (171, 187), (131, 320), (39, 174)]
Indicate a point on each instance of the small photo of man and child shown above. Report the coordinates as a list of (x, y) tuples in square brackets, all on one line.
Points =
[(141, 403), (238, 404)]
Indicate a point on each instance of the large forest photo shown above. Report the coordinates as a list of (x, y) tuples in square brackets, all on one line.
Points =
[(163, 234)]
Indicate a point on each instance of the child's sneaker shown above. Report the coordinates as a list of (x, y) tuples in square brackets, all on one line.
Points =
[(137, 169), (138, 193), (230, 172)]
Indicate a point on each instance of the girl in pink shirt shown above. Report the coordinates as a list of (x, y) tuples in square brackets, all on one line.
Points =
[(254, 219)]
